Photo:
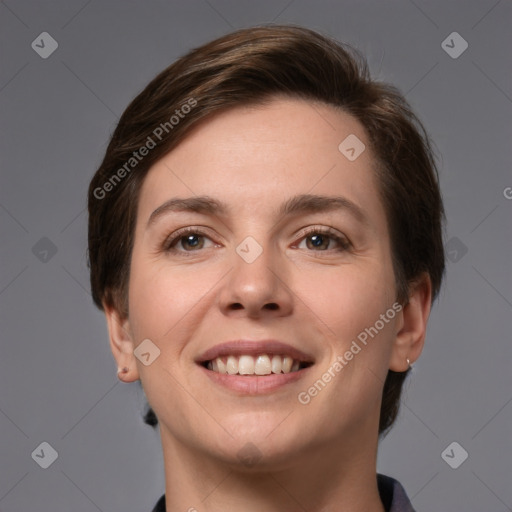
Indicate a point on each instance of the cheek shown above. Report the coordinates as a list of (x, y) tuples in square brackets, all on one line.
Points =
[(151, 303), (162, 297), (347, 299)]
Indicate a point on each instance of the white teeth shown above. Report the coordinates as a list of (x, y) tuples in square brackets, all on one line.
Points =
[(262, 365), (221, 365), (287, 364), (277, 363), (246, 365), (249, 365), (232, 365)]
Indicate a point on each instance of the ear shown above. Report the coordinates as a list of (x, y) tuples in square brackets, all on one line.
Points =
[(121, 343), (410, 337)]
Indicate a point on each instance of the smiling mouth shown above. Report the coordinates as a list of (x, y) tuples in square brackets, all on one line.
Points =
[(255, 366)]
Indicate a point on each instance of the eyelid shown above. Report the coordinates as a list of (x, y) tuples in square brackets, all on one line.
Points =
[(175, 236), (325, 230)]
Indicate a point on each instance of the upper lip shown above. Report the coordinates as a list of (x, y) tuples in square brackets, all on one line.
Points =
[(254, 348)]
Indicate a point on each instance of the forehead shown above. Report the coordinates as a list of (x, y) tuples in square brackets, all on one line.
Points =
[(258, 156)]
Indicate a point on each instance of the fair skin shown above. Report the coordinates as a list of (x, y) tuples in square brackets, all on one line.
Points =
[(319, 456)]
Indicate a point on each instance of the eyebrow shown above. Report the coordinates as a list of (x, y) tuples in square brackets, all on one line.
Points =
[(300, 204)]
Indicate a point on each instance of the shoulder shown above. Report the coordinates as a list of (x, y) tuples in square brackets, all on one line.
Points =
[(393, 495)]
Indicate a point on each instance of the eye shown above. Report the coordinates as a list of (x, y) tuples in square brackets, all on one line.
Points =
[(319, 240), (185, 238), (192, 239)]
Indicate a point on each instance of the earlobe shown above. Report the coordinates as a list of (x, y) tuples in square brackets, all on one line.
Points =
[(410, 338), (121, 344)]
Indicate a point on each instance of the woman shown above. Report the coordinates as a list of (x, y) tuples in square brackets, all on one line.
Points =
[(265, 239)]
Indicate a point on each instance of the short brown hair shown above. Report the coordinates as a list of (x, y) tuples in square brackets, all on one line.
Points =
[(249, 67)]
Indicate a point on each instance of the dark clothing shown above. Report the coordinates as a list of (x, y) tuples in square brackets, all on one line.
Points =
[(392, 495)]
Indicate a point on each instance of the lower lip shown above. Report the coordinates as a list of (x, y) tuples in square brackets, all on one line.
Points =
[(255, 385)]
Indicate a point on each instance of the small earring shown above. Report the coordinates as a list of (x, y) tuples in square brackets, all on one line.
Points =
[(123, 370), (408, 362)]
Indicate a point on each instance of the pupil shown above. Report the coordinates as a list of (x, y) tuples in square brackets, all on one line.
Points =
[(317, 240), (191, 237)]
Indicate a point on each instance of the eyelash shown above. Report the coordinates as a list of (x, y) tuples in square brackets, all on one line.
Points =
[(170, 241)]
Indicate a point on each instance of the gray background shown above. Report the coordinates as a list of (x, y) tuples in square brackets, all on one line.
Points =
[(57, 376)]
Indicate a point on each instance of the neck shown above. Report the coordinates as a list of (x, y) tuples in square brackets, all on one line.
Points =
[(320, 479)]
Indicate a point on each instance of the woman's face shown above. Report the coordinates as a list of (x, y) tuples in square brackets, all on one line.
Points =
[(270, 265)]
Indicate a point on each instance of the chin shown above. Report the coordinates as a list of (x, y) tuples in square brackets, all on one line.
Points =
[(271, 444)]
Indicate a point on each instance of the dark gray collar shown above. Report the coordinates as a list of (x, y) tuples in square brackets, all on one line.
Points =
[(391, 492)]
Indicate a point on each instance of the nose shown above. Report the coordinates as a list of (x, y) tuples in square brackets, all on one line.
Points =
[(257, 289)]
